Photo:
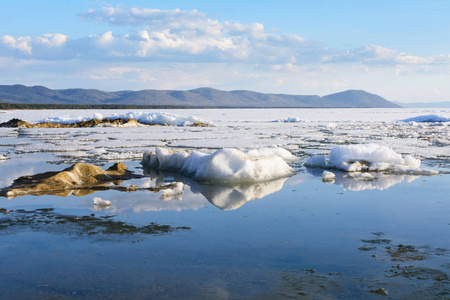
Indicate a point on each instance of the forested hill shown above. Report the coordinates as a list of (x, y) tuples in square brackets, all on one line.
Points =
[(201, 97)]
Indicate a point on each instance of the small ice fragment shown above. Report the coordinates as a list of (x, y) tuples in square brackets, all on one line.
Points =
[(101, 202), (2, 157), (328, 176), (289, 120), (316, 161)]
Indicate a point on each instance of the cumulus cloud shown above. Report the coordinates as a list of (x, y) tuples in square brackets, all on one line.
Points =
[(48, 46), (168, 35), (190, 36), (375, 54), (119, 16)]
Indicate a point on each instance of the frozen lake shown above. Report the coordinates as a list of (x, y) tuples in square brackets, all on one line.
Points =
[(293, 237)]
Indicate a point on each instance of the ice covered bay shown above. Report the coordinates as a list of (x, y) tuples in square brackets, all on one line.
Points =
[(168, 234), (316, 132)]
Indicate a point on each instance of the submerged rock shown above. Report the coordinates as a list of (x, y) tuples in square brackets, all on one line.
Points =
[(80, 176)]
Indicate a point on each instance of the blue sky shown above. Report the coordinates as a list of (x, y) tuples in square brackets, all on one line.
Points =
[(397, 49)]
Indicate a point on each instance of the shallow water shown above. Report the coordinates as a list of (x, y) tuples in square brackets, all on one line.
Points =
[(291, 238)]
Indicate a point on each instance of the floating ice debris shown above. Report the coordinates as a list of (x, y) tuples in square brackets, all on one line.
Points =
[(101, 202), (369, 157), (97, 151), (290, 120), (177, 190), (147, 118), (328, 176), (330, 125), (2, 157), (433, 118), (225, 165), (316, 161)]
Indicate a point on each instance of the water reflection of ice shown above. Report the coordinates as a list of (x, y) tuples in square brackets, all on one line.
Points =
[(359, 181), (234, 196), (149, 201), (225, 197)]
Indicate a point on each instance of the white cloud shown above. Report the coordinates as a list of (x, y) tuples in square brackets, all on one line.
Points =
[(169, 35), (22, 44), (190, 36), (48, 46), (375, 54)]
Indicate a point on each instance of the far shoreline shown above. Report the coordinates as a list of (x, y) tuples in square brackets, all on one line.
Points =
[(21, 106)]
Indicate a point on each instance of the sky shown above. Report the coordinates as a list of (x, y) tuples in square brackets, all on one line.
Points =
[(399, 50)]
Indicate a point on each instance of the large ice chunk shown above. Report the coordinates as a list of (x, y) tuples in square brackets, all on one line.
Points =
[(224, 165), (433, 118), (368, 157)]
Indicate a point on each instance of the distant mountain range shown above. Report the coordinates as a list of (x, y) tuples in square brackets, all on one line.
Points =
[(201, 97)]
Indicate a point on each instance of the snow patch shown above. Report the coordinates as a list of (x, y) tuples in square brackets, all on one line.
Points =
[(160, 119), (224, 165), (147, 118)]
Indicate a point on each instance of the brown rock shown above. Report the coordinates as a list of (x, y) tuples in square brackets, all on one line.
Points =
[(79, 177)]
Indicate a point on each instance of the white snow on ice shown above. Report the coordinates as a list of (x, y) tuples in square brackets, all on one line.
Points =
[(149, 118), (328, 176), (241, 129), (368, 157), (433, 118), (224, 165)]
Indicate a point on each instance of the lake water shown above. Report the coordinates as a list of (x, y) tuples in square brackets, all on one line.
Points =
[(295, 237)]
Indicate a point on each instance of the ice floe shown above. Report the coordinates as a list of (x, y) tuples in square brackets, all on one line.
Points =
[(242, 129), (100, 202), (328, 176), (433, 118), (368, 157), (224, 165), (290, 120)]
